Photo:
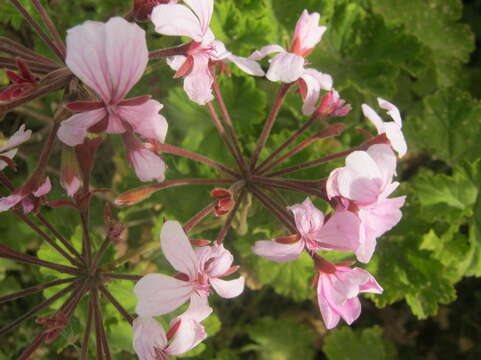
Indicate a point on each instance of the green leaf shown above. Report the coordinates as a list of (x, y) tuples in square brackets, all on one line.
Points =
[(347, 344), (450, 126), (427, 20), (281, 339)]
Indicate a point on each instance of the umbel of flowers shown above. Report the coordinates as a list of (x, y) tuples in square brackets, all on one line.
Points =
[(104, 60)]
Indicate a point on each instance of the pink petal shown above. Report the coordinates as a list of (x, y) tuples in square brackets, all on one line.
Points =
[(19, 137), (396, 138), (199, 82), (329, 316), (228, 288), (285, 67), (266, 50), (371, 285), (309, 219), (340, 232), (308, 32), (73, 130), (361, 179), (149, 336), (177, 249), (148, 166), (9, 154), (374, 118), (199, 308), (332, 186), (392, 110), (189, 334), (367, 243), (220, 263), (176, 61), (203, 9), (44, 188), (274, 251), (146, 120), (160, 294), (10, 201), (27, 205), (385, 160), (247, 65), (177, 20), (217, 50), (109, 57), (350, 311), (314, 81)]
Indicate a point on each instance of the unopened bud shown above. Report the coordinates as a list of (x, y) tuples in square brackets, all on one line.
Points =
[(70, 176), (225, 201), (331, 105)]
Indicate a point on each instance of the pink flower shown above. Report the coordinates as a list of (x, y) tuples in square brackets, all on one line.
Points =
[(22, 195), (152, 343), (392, 129), (340, 232), (288, 67), (363, 186), (337, 294), (110, 58), (199, 270), (9, 149), (193, 21)]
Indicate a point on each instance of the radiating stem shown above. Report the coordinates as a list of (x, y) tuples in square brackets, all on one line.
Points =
[(333, 130), (225, 229), (286, 184), (25, 52), (33, 65), (43, 305), (227, 142), (228, 121), (99, 326), (8, 253), (34, 289), (190, 155), (88, 328), (278, 211), (117, 305), (32, 346), (43, 35), (269, 123), (289, 141), (197, 218), (51, 27), (122, 276), (177, 50)]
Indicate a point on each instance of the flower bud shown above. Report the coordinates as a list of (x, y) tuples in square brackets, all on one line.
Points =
[(70, 176), (331, 105)]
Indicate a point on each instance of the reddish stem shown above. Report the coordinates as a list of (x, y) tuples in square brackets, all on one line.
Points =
[(269, 123), (34, 289), (122, 276), (25, 52), (197, 218), (51, 27), (117, 305), (177, 50), (99, 327), (88, 328), (33, 346)]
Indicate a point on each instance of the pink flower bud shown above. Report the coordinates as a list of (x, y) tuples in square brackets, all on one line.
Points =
[(70, 176), (331, 105)]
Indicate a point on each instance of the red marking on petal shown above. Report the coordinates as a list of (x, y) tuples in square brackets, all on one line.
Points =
[(181, 276), (315, 280), (345, 263), (139, 100), (186, 68), (302, 86), (173, 330), (200, 242), (288, 239), (99, 127), (81, 106), (231, 270)]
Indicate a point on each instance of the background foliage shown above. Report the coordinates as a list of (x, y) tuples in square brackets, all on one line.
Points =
[(422, 55)]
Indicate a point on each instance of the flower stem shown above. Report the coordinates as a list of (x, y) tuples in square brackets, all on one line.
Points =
[(43, 305), (278, 211), (269, 123), (117, 305), (190, 155), (220, 129), (51, 27), (122, 276), (177, 50), (34, 289), (230, 126), (286, 184), (33, 346), (86, 336), (25, 52), (33, 65), (227, 225), (99, 327), (197, 218), (43, 35)]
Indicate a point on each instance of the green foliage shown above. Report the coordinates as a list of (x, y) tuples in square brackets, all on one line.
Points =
[(281, 339), (347, 344)]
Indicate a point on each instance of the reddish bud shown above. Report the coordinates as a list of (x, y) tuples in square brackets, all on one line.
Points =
[(225, 201), (331, 105), (21, 84), (135, 196), (70, 176), (54, 326)]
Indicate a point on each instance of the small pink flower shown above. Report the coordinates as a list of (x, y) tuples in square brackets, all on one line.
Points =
[(152, 343), (22, 195), (337, 294), (9, 149), (288, 66), (392, 129), (110, 58), (199, 270), (193, 21), (363, 186), (340, 232)]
